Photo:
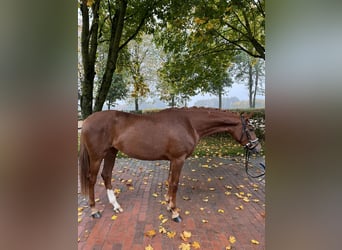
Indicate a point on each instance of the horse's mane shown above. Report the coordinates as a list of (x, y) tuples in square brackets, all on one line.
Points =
[(197, 109)]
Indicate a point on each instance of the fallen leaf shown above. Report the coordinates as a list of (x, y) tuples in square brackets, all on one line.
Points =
[(227, 193), (164, 221), (160, 217), (79, 220), (187, 212), (245, 199), (232, 239), (184, 246), (150, 233), (209, 179), (155, 195), (162, 230), (205, 221), (201, 208), (228, 247), (220, 178), (114, 217), (196, 245), (220, 211), (149, 247), (171, 234), (186, 198), (256, 200), (255, 242), (212, 189), (80, 209), (185, 235)]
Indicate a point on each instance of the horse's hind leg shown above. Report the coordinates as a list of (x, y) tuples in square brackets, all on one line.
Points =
[(106, 174), (94, 169)]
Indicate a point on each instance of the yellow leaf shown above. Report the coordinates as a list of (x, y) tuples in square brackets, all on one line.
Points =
[(150, 233), (186, 234), (212, 189), (160, 217), (196, 245), (164, 220), (184, 246), (79, 220), (114, 217), (255, 242), (256, 200), (171, 234), (155, 195), (187, 212), (205, 221), (80, 209), (220, 211), (232, 239), (209, 179), (201, 208), (162, 230), (186, 198), (149, 247), (245, 199), (228, 247), (131, 188)]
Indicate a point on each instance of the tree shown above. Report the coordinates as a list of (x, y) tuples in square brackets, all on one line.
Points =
[(204, 38), (114, 23), (250, 71), (117, 91)]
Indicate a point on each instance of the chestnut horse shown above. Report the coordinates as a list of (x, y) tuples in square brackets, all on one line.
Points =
[(171, 134)]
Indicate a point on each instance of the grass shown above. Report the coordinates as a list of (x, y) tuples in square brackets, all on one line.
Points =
[(210, 146)]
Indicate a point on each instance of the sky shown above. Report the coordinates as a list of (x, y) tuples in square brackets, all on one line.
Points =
[(238, 90)]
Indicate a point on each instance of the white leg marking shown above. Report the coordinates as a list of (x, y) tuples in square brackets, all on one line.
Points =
[(113, 201)]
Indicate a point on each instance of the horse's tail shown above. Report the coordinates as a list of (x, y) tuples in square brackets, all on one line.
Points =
[(84, 168)]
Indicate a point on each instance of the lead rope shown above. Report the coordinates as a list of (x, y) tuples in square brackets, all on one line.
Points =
[(247, 154)]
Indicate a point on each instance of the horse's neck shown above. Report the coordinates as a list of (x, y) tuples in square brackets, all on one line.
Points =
[(208, 123)]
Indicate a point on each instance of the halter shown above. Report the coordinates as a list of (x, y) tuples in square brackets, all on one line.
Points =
[(249, 147), (251, 143)]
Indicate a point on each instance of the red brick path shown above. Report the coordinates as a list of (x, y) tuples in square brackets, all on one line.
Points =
[(215, 197)]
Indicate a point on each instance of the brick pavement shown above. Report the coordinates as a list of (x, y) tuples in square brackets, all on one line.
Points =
[(215, 197)]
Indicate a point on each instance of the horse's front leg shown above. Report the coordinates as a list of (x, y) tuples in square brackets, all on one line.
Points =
[(175, 170)]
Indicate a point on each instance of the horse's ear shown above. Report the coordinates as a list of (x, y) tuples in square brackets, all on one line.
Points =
[(250, 115)]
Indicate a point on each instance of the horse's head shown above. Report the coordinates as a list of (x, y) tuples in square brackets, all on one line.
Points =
[(248, 138)]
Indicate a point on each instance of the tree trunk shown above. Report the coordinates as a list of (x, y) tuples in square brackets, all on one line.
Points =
[(255, 84), (220, 99), (250, 84), (136, 102), (172, 101), (88, 50), (114, 48)]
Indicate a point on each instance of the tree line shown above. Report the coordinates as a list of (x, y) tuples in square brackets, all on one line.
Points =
[(172, 49)]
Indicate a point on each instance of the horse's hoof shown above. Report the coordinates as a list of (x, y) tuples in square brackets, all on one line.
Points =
[(177, 219), (96, 215), (118, 210)]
